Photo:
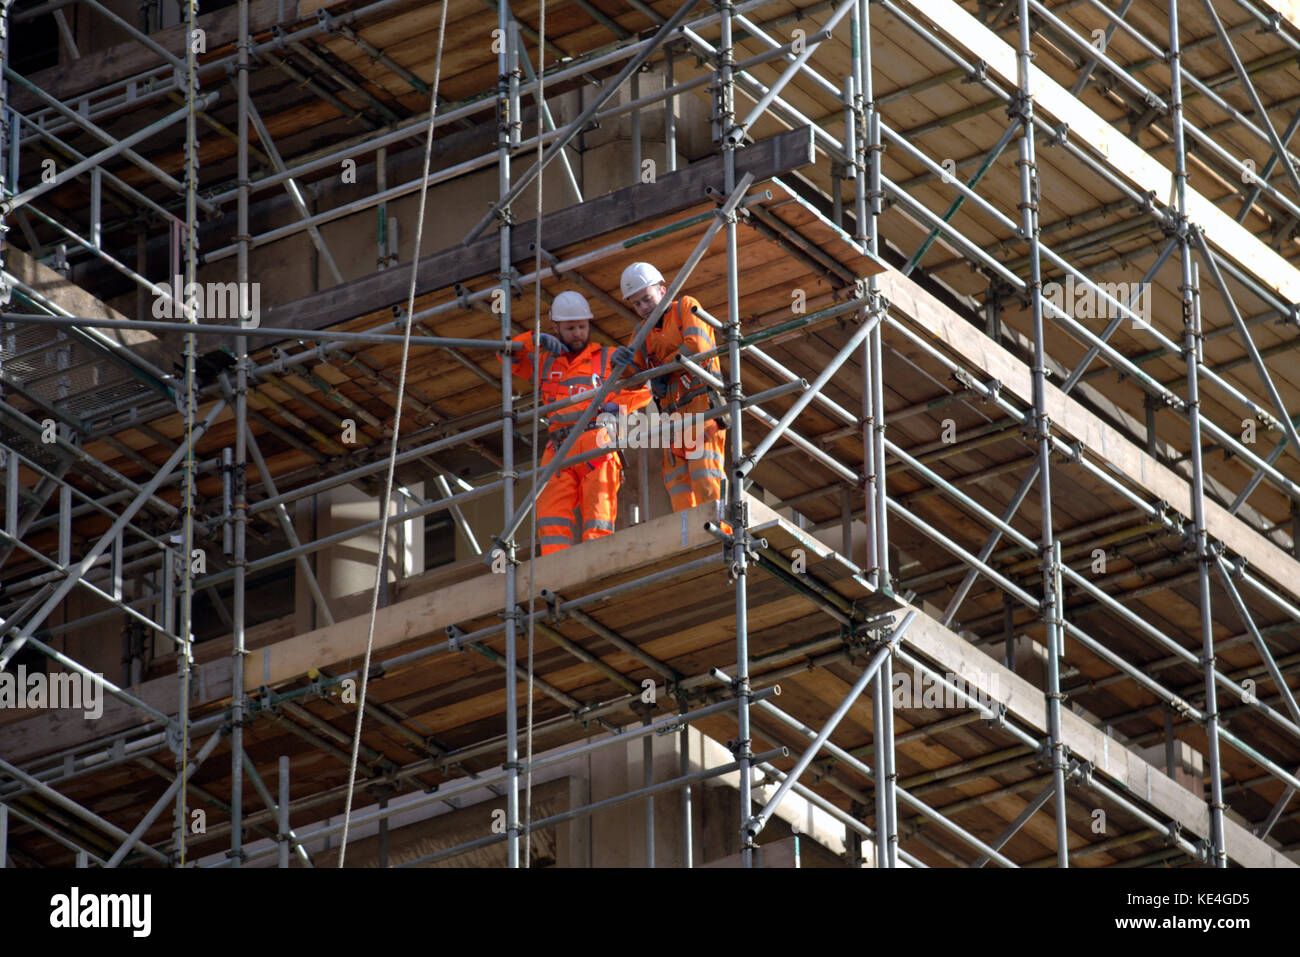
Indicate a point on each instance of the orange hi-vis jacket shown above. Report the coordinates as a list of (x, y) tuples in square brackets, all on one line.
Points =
[(562, 376), (579, 502), (678, 327), (693, 472)]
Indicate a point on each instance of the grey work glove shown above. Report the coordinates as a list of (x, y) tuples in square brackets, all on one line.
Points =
[(551, 343)]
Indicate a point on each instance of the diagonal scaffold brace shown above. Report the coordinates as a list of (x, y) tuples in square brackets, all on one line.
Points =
[(756, 823)]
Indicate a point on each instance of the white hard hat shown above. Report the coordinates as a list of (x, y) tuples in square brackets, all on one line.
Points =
[(637, 276), (570, 305)]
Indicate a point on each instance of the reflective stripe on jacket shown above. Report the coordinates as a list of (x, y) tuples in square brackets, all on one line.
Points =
[(568, 375), (680, 326)]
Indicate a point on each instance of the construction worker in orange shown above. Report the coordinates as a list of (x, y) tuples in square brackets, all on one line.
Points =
[(693, 470), (580, 502)]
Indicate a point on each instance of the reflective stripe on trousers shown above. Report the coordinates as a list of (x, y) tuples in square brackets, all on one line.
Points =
[(581, 497), (691, 481)]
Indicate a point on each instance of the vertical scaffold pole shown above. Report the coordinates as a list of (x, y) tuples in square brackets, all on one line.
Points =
[(282, 828), (670, 112), (736, 511), (862, 142), (891, 779), (880, 700), (513, 825), (855, 132), (867, 162), (8, 139), (648, 779), (869, 143), (185, 659), (688, 850), (1191, 356), (1029, 193), (239, 476)]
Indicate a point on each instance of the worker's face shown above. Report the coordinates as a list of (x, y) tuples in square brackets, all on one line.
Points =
[(574, 333), (644, 302)]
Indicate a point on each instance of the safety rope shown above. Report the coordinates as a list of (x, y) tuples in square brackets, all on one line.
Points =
[(532, 548), (397, 423)]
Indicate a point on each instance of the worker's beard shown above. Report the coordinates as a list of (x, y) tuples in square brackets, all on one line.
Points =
[(575, 349)]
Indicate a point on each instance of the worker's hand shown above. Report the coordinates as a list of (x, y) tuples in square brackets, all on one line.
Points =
[(611, 407), (623, 356), (659, 386), (551, 343)]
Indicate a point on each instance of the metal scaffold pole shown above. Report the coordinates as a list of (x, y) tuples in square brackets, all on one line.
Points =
[(240, 466), (862, 143), (514, 826), (1030, 192), (6, 136), (736, 510), (185, 654), (1190, 295)]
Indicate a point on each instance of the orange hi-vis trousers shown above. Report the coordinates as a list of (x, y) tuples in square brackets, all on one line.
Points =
[(580, 502), (695, 475)]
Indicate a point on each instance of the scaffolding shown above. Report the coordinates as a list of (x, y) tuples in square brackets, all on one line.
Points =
[(1044, 536)]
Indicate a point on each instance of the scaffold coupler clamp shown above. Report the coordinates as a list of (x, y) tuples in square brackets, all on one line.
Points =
[(1043, 753), (1043, 425), (180, 395), (1060, 135), (278, 35), (1083, 770), (997, 714), (739, 748), (671, 727), (1020, 108), (978, 73), (1027, 429), (1165, 517), (1204, 854), (462, 296), (511, 276), (877, 303), (553, 613), (454, 638), (501, 551), (278, 358), (505, 218), (720, 676)]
